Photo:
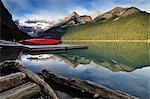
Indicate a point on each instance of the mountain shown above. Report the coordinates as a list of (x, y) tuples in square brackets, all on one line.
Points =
[(118, 12), (9, 30), (86, 18), (33, 27), (118, 23), (70, 20), (57, 30), (132, 24)]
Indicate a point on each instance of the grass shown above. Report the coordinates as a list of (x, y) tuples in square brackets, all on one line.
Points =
[(134, 27)]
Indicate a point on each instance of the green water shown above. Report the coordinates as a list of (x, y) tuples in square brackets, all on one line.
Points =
[(134, 55)]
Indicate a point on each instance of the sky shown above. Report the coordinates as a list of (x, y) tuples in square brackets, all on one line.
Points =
[(57, 9)]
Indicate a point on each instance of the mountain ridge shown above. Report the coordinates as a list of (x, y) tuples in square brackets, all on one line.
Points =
[(132, 27), (119, 12), (73, 20)]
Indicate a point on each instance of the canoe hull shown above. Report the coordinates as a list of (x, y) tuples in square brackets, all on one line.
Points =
[(41, 41)]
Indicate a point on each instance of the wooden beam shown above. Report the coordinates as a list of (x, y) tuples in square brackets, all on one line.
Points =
[(24, 91), (12, 80)]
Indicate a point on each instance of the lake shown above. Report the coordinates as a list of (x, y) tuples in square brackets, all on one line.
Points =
[(120, 66)]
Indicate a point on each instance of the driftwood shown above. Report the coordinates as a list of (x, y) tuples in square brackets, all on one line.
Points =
[(94, 90), (12, 80), (12, 64), (64, 87), (35, 78), (24, 91)]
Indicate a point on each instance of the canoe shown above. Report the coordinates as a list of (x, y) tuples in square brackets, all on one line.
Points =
[(41, 41)]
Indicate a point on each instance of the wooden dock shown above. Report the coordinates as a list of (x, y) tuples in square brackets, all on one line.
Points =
[(35, 48), (4, 43), (40, 48)]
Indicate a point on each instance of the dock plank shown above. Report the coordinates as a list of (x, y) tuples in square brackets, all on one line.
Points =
[(53, 47)]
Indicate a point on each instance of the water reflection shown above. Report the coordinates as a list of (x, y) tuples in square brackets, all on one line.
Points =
[(132, 54), (134, 83)]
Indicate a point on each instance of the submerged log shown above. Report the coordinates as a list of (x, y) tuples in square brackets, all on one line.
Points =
[(35, 78), (85, 87), (24, 91), (12, 80)]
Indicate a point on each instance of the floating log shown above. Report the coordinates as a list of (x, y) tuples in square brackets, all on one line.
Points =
[(12, 80), (24, 91), (35, 78), (97, 91)]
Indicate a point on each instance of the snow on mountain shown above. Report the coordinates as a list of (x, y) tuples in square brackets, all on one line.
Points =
[(33, 27)]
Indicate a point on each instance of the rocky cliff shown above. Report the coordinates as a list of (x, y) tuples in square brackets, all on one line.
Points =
[(86, 18), (118, 12), (9, 30)]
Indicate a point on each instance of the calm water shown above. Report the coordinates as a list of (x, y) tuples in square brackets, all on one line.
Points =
[(133, 55)]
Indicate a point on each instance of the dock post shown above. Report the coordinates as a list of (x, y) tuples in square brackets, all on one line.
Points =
[(66, 49)]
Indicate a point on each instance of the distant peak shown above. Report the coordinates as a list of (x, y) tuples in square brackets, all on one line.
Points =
[(134, 8), (74, 12), (118, 8), (121, 8)]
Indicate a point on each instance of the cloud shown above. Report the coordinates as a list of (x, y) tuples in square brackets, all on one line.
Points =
[(16, 3), (56, 9), (40, 14), (81, 11), (53, 15), (139, 1)]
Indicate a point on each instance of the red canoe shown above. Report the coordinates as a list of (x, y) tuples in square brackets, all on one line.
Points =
[(41, 41)]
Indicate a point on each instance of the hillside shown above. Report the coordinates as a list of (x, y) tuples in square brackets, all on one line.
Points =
[(131, 27)]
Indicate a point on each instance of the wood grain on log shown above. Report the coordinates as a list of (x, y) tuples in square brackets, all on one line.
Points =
[(11, 80), (35, 78), (24, 91)]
